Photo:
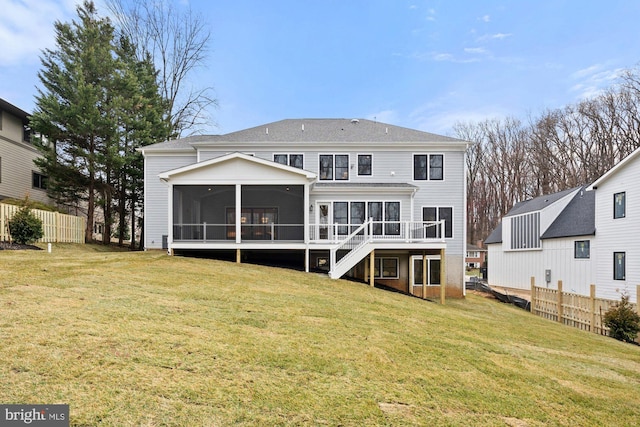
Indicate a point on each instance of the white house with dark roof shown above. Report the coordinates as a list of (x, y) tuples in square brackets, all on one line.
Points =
[(352, 197), (549, 238), (583, 236)]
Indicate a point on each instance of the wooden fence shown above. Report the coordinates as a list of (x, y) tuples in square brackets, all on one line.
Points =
[(580, 311), (56, 227)]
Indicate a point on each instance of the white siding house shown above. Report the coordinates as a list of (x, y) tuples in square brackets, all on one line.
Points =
[(549, 238), (593, 238), (617, 216), (353, 197), (19, 176)]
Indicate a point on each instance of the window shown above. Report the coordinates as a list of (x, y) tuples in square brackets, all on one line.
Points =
[(338, 163), (392, 218), (293, 160), (619, 204), (26, 133), (525, 231), (38, 180), (350, 215), (619, 265), (386, 268), (581, 249), (364, 164), (433, 271), (428, 167), (438, 214)]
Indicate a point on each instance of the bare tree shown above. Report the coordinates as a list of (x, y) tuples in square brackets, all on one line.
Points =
[(177, 42)]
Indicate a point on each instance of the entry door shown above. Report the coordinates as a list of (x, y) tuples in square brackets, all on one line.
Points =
[(324, 214), (433, 270)]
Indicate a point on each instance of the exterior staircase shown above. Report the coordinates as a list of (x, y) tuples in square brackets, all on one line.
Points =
[(349, 252)]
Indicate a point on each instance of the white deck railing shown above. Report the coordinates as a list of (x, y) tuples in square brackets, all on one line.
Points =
[(378, 231)]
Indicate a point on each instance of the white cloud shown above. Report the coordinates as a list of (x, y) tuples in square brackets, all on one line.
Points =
[(431, 16), (478, 50), (497, 36), (26, 27), (593, 80), (485, 18)]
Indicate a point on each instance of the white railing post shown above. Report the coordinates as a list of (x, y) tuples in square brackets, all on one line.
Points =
[(442, 231), (204, 231), (272, 231)]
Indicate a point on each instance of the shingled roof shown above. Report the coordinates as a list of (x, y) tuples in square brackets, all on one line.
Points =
[(313, 131)]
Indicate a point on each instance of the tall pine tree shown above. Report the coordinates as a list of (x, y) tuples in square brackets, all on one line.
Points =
[(97, 105)]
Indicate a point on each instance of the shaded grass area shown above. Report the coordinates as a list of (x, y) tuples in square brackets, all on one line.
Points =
[(145, 339)]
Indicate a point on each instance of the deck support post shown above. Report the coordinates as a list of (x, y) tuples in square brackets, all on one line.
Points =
[(238, 256), (443, 278), (424, 275), (372, 260)]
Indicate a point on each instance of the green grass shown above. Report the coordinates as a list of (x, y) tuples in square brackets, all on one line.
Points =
[(142, 339)]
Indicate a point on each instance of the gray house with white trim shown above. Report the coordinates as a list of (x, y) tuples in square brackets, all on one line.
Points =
[(354, 198)]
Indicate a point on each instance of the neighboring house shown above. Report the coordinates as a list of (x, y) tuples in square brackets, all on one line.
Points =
[(19, 176), (476, 254), (549, 238), (617, 216), (346, 196), (581, 236)]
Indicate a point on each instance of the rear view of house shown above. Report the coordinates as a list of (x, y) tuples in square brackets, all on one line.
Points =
[(350, 197)]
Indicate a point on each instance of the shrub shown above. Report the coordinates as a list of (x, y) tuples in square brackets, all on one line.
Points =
[(24, 227), (622, 321)]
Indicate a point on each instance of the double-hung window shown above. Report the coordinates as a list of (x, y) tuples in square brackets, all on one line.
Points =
[(38, 180), (294, 160), (428, 167), (364, 164), (334, 167), (386, 268)]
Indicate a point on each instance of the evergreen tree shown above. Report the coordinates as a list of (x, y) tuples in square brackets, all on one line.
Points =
[(73, 114), (99, 103)]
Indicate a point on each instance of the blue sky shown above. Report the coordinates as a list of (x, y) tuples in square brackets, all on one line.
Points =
[(415, 63)]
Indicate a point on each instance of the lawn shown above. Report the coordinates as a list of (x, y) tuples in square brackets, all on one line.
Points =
[(143, 339)]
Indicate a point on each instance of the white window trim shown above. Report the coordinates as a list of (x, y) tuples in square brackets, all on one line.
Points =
[(453, 216), (380, 259), (357, 165), (273, 158), (413, 171), (334, 167), (413, 258)]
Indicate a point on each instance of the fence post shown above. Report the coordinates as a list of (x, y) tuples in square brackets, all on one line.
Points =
[(559, 301), (592, 307), (532, 307)]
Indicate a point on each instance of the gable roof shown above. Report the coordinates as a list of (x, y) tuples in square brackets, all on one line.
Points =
[(12, 109), (313, 131), (251, 159), (538, 203), (495, 236), (615, 169), (577, 219)]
